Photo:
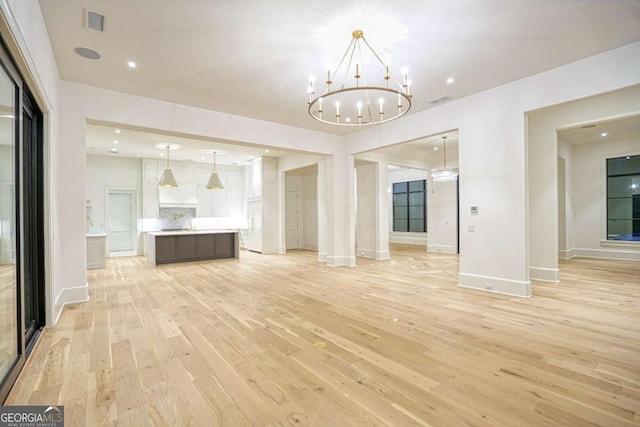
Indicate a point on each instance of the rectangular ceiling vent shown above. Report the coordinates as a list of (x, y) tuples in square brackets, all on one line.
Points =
[(441, 100), (95, 21)]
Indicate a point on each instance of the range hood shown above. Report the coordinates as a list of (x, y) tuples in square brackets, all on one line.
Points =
[(183, 196)]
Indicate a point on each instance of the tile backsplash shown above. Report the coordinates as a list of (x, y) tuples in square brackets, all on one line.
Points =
[(176, 218)]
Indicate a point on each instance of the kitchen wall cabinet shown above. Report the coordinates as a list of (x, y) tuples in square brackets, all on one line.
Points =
[(185, 192), (150, 178)]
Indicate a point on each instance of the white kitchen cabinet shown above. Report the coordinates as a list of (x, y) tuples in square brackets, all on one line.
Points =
[(205, 196), (96, 250), (150, 188), (185, 193)]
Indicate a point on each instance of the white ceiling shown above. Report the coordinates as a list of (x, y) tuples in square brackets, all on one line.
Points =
[(253, 58), (609, 130), (137, 144)]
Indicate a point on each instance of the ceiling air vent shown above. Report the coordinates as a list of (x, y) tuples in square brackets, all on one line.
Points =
[(95, 21), (440, 100)]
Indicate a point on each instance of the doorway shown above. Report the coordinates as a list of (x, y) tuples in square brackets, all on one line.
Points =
[(122, 222), (291, 220)]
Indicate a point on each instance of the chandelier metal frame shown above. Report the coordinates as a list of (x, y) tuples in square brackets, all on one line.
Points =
[(356, 99)]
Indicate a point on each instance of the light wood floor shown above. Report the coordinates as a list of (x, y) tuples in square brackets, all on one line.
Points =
[(285, 340)]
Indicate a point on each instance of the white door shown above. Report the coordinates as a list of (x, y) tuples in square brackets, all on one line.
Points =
[(291, 219), (121, 223)]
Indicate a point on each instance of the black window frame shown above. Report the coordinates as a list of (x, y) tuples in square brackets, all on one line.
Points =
[(404, 195), (635, 199)]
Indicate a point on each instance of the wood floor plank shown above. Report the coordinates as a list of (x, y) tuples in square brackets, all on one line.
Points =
[(284, 340)]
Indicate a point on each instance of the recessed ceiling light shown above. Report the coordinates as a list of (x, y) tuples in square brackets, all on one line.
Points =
[(161, 154), (87, 53), (266, 151), (117, 130), (435, 148), (131, 64), (450, 80), (114, 151), (603, 134), (115, 141), (348, 120)]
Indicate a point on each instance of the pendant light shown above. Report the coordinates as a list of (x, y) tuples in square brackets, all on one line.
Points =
[(168, 179), (214, 180), (445, 173)]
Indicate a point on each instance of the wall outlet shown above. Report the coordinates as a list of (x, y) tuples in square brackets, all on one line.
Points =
[(471, 227), (488, 286)]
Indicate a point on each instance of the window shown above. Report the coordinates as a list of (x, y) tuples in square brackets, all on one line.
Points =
[(623, 198), (409, 206)]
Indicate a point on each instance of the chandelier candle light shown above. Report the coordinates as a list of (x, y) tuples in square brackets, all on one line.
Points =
[(444, 174), (358, 92)]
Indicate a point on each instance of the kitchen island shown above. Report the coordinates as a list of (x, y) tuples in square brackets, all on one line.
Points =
[(163, 247)]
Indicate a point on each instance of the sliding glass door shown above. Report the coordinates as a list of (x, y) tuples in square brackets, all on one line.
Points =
[(22, 280), (10, 330)]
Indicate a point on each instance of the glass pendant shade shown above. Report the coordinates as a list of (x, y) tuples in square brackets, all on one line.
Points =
[(444, 174), (168, 179), (214, 182)]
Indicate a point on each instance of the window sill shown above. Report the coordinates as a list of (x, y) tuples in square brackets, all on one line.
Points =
[(620, 244)]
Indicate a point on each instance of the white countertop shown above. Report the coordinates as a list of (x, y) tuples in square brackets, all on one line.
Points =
[(186, 232)]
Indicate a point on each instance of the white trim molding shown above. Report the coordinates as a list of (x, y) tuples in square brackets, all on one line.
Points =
[(382, 255), (443, 249), (495, 284), (70, 296), (365, 253), (566, 253), (341, 261), (408, 238), (625, 255), (544, 274)]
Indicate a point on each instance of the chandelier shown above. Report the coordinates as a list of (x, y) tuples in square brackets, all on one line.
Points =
[(355, 97), (445, 173)]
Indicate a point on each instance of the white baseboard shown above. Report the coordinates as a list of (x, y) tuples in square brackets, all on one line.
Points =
[(408, 238), (382, 255), (544, 274), (566, 254), (495, 284), (365, 253), (341, 261), (282, 250), (625, 255), (445, 249), (322, 256), (310, 246), (69, 296), (270, 251)]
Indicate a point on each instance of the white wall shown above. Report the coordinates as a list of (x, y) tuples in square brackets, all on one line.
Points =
[(492, 155), (109, 172), (23, 30), (492, 159), (310, 211), (442, 223), (566, 241), (543, 152), (589, 195), (366, 210)]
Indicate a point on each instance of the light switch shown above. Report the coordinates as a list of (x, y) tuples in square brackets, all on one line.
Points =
[(474, 210), (471, 227)]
